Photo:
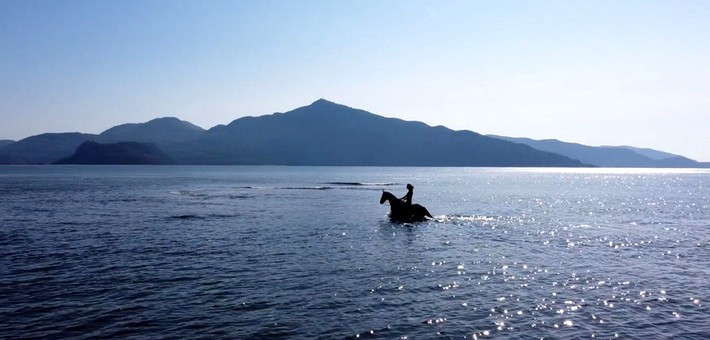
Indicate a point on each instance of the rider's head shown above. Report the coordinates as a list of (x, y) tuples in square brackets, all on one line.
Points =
[(409, 187)]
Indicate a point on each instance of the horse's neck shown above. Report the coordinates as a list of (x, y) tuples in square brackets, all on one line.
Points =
[(390, 197)]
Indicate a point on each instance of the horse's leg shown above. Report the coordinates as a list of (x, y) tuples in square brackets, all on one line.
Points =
[(397, 210)]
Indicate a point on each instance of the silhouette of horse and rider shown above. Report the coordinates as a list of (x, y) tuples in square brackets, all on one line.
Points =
[(402, 209)]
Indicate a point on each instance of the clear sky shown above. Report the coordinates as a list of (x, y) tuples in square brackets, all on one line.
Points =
[(594, 72)]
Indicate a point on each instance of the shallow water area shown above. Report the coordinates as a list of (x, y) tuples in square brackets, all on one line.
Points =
[(304, 252)]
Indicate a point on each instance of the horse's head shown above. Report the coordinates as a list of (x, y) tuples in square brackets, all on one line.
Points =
[(384, 196)]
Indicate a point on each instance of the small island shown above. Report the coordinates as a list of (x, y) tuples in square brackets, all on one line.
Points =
[(117, 153)]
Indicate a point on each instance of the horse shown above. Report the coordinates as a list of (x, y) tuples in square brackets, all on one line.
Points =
[(400, 212)]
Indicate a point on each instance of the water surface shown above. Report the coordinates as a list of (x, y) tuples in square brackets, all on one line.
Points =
[(251, 252)]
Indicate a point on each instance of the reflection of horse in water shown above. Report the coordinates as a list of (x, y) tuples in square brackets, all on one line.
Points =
[(400, 212)]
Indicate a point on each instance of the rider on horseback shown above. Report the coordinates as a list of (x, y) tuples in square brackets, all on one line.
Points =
[(402, 209), (407, 199)]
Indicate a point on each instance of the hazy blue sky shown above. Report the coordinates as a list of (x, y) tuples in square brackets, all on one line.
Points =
[(594, 72)]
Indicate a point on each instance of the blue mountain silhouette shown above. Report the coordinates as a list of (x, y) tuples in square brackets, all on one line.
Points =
[(326, 133), (610, 156), (322, 133)]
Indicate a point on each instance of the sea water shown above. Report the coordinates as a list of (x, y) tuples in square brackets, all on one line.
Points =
[(308, 252)]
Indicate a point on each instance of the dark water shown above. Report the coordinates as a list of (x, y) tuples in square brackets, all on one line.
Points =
[(253, 252)]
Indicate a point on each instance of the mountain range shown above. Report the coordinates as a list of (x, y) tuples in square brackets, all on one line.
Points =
[(325, 133), (610, 156), (322, 133)]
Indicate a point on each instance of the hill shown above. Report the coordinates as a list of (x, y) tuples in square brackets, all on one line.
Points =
[(117, 153), (5, 142), (50, 147), (609, 156), (326, 133), (650, 153), (160, 130), (42, 149)]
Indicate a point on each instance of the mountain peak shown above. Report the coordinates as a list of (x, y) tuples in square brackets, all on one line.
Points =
[(327, 104), (174, 121), (159, 129), (322, 101), (163, 119)]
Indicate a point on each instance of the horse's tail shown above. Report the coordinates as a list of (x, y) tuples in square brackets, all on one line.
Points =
[(426, 213), (422, 210)]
